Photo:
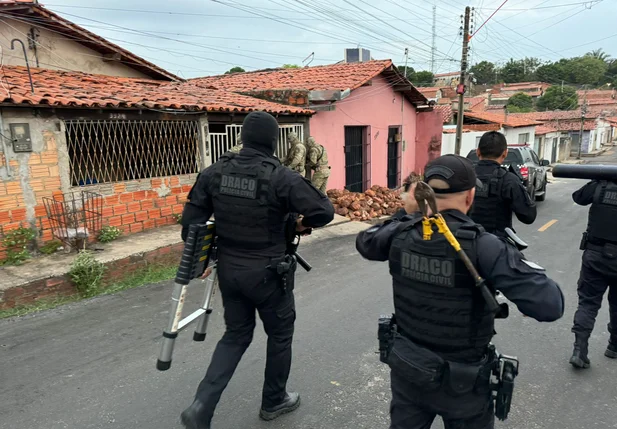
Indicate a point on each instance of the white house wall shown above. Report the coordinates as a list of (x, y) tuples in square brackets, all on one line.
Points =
[(468, 142)]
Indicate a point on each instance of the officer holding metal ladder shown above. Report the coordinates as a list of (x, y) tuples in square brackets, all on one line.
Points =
[(437, 343), (259, 207)]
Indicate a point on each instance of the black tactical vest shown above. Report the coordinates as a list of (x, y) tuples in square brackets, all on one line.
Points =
[(489, 209), (244, 216), (437, 304), (603, 213)]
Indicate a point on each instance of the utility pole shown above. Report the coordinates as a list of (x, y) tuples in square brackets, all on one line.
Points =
[(461, 86), (583, 112), (434, 45), (403, 120)]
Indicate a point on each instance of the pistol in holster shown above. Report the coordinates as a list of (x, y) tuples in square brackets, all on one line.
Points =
[(505, 370), (285, 268), (385, 335)]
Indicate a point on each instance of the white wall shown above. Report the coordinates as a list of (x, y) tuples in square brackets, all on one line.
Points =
[(513, 133), (468, 142)]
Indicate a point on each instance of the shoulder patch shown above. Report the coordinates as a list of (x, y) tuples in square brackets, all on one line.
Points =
[(532, 265)]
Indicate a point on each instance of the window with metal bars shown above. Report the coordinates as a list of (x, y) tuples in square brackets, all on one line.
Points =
[(104, 151)]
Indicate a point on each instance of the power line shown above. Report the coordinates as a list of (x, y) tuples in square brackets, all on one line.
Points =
[(589, 2)]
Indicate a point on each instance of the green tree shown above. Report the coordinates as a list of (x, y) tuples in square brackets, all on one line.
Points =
[(411, 73), (553, 72), (558, 98), (291, 66), (423, 78), (485, 73), (520, 70), (520, 103), (599, 54), (235, 70), (586, 70)]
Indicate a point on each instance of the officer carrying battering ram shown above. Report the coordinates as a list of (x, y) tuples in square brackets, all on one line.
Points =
[(599, 268), (501, 191), (253, 197), (439, 349)]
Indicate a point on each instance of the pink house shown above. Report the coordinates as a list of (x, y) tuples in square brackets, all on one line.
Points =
[(376, 126)]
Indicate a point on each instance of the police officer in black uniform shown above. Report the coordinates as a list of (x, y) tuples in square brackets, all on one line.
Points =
[(599, 268), (251, 196), (439, 359), (501, 192)]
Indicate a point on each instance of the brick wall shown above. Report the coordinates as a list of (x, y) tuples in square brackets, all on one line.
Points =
[(62, 286)]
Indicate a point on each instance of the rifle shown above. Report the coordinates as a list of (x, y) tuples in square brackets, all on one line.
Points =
[(293, 241), (589, 172)]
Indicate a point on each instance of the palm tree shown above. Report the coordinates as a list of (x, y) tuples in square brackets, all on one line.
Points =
[(599, 54)]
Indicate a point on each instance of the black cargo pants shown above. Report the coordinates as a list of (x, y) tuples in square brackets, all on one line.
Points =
[(412, 408), (244, 290), (598, 273)]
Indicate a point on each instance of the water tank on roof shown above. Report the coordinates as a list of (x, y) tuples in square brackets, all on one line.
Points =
[(357, 55)]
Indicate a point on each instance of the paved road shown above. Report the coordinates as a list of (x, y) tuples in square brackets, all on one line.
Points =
[(91, 365)]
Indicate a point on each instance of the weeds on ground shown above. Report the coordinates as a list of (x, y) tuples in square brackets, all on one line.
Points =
[(109, 233), (146, 275), (17, 242)]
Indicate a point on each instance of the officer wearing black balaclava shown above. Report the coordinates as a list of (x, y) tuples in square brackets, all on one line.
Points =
[(599, 268), (251, 196), (439, 359)]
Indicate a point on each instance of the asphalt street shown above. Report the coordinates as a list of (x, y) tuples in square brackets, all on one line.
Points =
[(92, 364)]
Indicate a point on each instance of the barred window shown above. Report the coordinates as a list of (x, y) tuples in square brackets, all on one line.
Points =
[(115, 151)]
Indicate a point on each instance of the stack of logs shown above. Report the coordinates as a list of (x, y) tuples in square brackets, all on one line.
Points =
[(375, 202)]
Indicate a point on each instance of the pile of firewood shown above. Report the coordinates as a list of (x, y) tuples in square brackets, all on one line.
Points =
[(375, 202)]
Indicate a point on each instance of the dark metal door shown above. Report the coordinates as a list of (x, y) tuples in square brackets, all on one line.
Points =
[(554, 152), (354, 159), (394, 159)]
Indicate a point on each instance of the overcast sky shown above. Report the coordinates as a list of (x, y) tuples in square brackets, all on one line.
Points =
[(204, 37)]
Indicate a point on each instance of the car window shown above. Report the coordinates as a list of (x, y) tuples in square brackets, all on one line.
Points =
[(534, 156), (526, 155), (514, 155)]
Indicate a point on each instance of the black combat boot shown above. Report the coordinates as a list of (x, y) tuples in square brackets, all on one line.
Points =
[(579, 357), (291, 402), (192, 417)]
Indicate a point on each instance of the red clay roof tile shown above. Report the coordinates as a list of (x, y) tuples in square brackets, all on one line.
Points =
[(502, 119), (60, 88)]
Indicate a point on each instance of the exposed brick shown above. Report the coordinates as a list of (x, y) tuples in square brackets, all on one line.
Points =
[(139, 195), (120, 209), (182, 198), (119, 188), (177, 209), (44, 223), (40, 211), (126, 229), (166, 211), (13, 188), (54, 171), (126, 198), (148, 224), (156, 183), (39, 171), (154, 213), (141, 216), (147, 204), (5, 217), (2, 189), (160, 202), (107, 212), (115, 221), (171, 200), (186, 188), (128, 219), (136, 227), (35, 159), (133, 207), (47, 236), (52, 183), (54, 281), (112, 200), (49, 157), (160, 222), (58, 196), (175, 181), (10, 226), (38, 185), (18, 215), (177, 190)]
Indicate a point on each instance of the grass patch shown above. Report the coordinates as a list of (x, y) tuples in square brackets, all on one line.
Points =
[(146, 275)]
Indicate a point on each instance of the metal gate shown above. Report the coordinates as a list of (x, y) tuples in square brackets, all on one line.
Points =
[(219, 143), (394, 159), (357, 159), (102, 151)]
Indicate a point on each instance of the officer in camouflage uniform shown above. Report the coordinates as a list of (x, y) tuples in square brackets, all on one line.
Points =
[(296, 157), (238, 147), (317, 160)]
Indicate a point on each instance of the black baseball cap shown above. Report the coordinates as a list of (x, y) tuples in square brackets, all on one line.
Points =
[(456, 171)]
